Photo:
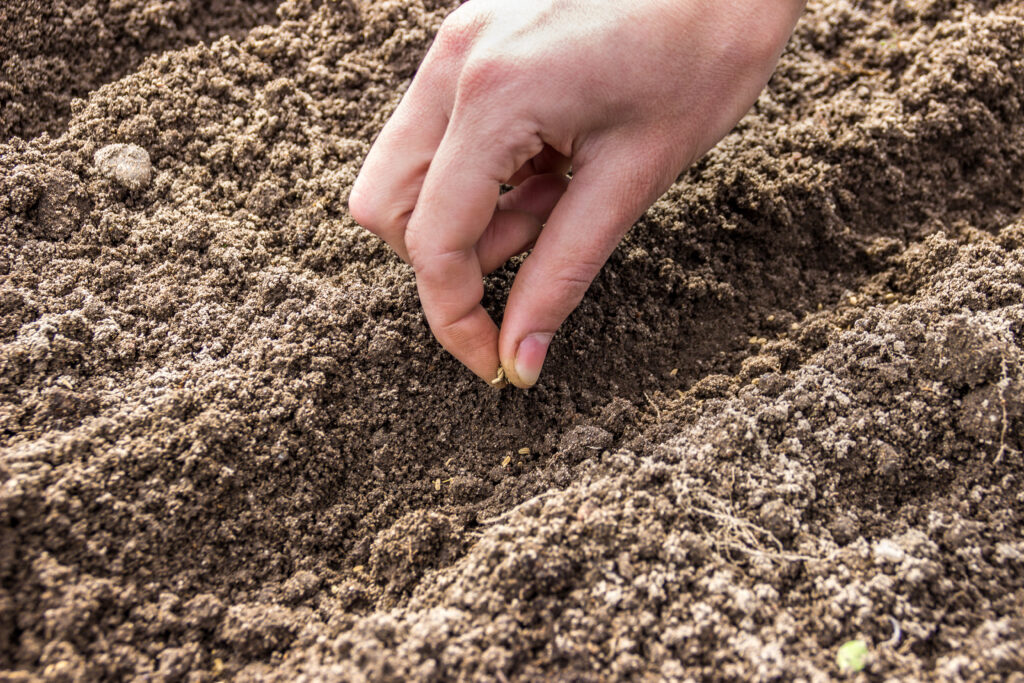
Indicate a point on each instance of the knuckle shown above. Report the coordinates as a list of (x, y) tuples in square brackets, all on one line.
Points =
[(429, 264), (360, 206), (756, 51), (454, 329), (416, 248), (754, 55), (458, 32), (376, 215), (483, 75), (573, 281)]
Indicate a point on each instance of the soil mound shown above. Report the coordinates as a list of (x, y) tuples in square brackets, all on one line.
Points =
[(786, 415), (52, 51)]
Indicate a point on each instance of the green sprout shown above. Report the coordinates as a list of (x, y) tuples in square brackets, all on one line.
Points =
[(852, 656)]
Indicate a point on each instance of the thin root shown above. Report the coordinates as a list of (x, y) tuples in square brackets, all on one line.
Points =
[(897, 634)]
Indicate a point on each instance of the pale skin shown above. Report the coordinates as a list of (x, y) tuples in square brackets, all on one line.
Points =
[(626, 94)]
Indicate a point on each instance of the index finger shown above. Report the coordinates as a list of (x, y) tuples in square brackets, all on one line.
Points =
[(456, 203), (385, 192)]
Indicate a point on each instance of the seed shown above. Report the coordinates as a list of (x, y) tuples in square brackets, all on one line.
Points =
[(524, 451), (499, 381), (129, 165), (506, 461)]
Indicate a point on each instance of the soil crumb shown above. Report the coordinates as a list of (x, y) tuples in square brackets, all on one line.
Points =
[(787, 415)]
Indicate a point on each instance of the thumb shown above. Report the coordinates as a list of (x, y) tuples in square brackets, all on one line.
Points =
[(603, 199)]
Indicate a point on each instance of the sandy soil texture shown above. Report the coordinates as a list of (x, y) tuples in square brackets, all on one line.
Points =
[(788, 413), (52, 51)]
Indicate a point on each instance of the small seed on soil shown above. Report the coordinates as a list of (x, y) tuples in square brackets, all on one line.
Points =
[(675, 371), (437, 484), (524, 451), (852, 656), (506, 461), (129, 165)]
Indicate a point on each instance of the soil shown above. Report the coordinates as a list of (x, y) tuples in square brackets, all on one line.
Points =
[(787, 414), (52, 51)]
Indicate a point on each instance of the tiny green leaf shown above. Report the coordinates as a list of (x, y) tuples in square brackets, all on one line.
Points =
[(852, 656)]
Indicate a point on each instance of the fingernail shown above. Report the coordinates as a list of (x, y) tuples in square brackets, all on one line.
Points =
[(530, 357)]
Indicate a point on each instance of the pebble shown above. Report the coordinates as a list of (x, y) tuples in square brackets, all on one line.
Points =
[(887, 551), (128, 165)]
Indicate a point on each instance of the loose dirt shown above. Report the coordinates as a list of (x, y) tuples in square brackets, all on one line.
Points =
[(787, 414), (52, 51)]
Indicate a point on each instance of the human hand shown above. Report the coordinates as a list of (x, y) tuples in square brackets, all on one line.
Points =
[(514, 91)]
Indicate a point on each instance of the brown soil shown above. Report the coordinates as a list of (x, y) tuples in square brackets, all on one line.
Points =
[(52, 51), (787, 414)]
